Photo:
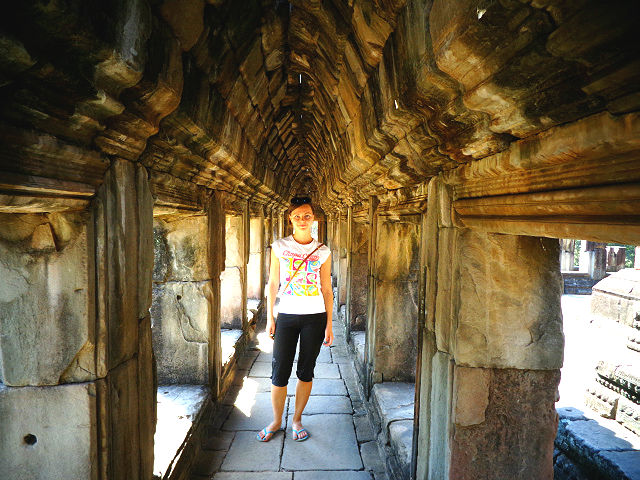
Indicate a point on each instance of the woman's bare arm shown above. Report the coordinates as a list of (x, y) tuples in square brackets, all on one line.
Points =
[(327, 293), (272, 291)]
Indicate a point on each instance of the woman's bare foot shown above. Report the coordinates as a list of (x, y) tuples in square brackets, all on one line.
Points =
[(297, 426), (271, 429)]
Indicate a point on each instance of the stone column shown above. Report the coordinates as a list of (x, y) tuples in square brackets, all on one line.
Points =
[(342, 272), (255, 266), (233, 278), (567, 252), (217, 253), (348, 271), (358, 269), (593, 259), (491, 351), (397, 266)]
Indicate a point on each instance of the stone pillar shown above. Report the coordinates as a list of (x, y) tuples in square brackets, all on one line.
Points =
[(216, 246), (182, 296), (593, 259), (123, 210), (491, 351), (217, 252), (233, 277), (370, 330), (255, 266), (396, 302), (567, 252), (347, 312), (342, 272), (358, 269)]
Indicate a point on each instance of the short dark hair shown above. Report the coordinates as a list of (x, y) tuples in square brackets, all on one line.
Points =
[(298, 202)]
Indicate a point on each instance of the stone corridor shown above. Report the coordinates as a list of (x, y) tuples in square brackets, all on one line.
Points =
[(454, 151)]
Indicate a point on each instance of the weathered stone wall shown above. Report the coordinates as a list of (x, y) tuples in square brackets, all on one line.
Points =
[(182, 294), (47, 346), (46, 299)]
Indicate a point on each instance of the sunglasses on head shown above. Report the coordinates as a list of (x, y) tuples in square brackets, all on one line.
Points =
[(300, 201)]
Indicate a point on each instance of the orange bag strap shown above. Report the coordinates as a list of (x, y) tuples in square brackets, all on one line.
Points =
[(299, 267)]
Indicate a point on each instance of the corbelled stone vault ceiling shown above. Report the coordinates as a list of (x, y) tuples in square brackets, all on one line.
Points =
[(339, 98)]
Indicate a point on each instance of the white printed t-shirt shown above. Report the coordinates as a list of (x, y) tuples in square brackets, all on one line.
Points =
[(303, 295)]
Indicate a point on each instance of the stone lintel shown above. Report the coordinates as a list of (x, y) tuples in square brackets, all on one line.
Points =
[(602, 213)]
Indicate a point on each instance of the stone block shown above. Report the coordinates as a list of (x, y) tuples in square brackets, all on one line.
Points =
[(509, 311), (45, 300), (601, 400), (471, 395), (396, 314), (180, 249), (253, 476), (364, 432), (231, 295), (617, 297), (401, 441), (181, 315), (628, 414), (47, 432), (523, 452), (394, 401), (327, 449), (335, 475), (371, 457), (185, 19), (627, 463)]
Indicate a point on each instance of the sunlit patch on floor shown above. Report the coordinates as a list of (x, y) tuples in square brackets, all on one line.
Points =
[(246, 398)]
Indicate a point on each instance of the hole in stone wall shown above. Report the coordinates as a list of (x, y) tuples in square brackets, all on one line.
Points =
[(30, 439), (179, 297)]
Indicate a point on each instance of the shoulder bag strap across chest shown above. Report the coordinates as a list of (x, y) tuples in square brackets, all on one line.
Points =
[(299, 267)]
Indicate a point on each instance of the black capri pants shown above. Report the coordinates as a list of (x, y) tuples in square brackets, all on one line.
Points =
[(310, 328)]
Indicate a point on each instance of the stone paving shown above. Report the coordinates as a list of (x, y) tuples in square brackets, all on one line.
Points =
[(341, 446)]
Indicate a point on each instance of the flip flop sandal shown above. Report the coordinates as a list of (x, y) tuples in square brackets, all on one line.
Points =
[(265, 432), (298, 432)]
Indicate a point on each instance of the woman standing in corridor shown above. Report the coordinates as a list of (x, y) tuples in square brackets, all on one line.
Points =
[(300, 274)]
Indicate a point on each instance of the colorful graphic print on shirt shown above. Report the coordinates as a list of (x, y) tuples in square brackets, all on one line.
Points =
[(305, 283)]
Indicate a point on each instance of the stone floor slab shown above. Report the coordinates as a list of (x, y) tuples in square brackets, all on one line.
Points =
[(327, 404), (248, 455), (321, 386), (253, 476), (217, 440), (251, 413), (336, 475), (207, 463), (332, 445)]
